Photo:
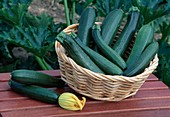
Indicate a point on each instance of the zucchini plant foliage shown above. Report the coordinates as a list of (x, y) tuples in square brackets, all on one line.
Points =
[(152, 9), (20, 28), (163, 69)]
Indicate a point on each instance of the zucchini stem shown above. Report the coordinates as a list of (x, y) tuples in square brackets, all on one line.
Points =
[(46, 64), (66, 12), (73, 12), (43, 64), (96, 26)]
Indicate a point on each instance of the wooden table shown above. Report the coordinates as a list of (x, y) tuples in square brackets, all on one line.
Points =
[(152, 100)]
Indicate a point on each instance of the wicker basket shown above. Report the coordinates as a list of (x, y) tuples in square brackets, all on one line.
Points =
[(95, 85)]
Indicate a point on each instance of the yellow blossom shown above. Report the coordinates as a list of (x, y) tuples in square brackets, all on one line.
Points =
[(70, 101)]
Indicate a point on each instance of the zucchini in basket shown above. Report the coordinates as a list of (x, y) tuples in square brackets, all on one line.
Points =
[(147, 55), (128, 31), (108, 52), (76, 53), (111, 24), (86, 21), (144, 37), (106, 65)]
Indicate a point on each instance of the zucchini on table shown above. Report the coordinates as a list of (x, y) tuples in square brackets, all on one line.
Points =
[(35, 92), (65, 100), (31, 77)]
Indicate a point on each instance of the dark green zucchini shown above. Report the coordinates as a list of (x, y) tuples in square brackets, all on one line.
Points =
[(128, 32), (106, 65), (35, 92), (31, 77), (76, 53), (86, 21), (111, 24), (144, 37), (108, 52), (147, 55)]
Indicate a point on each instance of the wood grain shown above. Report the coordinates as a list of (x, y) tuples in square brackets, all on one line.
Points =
[(152, 100)]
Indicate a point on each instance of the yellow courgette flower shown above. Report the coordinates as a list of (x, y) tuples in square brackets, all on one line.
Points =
[(70, 101)]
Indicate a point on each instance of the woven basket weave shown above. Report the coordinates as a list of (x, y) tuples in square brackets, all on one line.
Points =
[(95, 85)]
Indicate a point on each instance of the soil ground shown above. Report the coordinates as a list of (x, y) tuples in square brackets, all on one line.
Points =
[(51, 7)]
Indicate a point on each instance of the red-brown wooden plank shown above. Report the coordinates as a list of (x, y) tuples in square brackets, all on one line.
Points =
[(152, 93), (99, 108), (4, 86), (55, 73), (22, 104), (32, 113), (4, 77), (10, 95), (154, 112), (153, 85), (128, 104), (152, 77), (52, 112)]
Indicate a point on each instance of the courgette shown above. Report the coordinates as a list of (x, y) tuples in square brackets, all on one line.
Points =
[(147, 55), (128, 32), (76, 53), (108, 52), (111, 24), (31, 77), (35, 92), (144, 37), (106, 65), (86, 21)]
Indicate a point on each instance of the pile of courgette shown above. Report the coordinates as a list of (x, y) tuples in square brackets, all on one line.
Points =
[(94, 46), (34, 85)]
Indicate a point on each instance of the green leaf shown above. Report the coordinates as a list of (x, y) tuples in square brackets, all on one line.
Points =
[(164, 48), (4, 50), (4, 26), (103, 7), (35, 40), (152, 9), (12, 11), (163, 69), (158, 23), (41, 21), (125, 5)]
